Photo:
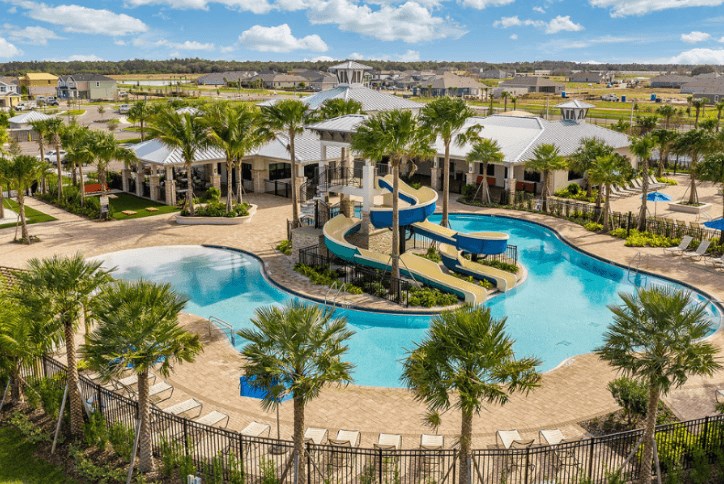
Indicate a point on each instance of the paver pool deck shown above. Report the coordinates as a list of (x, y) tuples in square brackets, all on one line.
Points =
[(573, 392)]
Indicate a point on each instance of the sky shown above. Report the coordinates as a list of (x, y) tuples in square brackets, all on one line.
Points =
[(592, 31)]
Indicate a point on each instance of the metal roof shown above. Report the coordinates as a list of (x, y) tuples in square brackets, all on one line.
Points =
[(575, 104), (349, 65), (341, 124), (28, 117), (155, 152), (371, 100)]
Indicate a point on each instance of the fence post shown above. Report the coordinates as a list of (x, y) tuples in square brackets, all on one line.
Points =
[(527, 463), (590, 457), (379, 467), (628, 224), (186, 437), (706, 433)]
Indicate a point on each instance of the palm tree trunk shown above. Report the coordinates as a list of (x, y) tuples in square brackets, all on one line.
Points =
[(43, 187), (229, 185), (485, 195), (239, 189), (76, 406), (466, 431), (395, 220), (144, 412), (295, 208), (544, 192), (649, 431), (60, 171), (141, 122), (446, 186), (190, 189), (299, 439), (16, 387), (24, 237), (2, 203), (606, 207), (82, 184), (644, 193), (693, 196)]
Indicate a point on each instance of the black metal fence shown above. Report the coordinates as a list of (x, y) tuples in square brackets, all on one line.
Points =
[(278, 188), (226, 455), (510, 255), (371, 281)]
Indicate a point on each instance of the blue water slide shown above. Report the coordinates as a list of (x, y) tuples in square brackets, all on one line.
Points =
[(422, 205), (484, 243)]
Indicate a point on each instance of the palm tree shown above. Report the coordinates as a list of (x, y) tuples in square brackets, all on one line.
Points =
[(608, 169), (642, 148), (505, 95), (445, 118), (486, 151), (20, 173), (296, 349), (656, 338), (712, 169), (107, 148), (546, 159), (54, 130), (646, 124), (465, 361), (694, 143), (697, 104), (4, 137), (667, 112), (719, 108), (333, 108), (78, 144), (140, 112), (40, 127), (664, 140), (138, 328), (185, 132), (397, 136), (585, 157), (288, 117), (60, 289), (235, 129)]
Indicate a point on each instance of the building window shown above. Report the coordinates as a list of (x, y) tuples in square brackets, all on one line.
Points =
[(533, 176), (2, 88), (278, 171), (98, 84), (574, 175), (246, 171)]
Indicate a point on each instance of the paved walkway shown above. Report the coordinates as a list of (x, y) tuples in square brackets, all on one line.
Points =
[(573, 392)]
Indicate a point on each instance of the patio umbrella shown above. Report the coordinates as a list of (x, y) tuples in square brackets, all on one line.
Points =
[(657, 197), (716, 224)]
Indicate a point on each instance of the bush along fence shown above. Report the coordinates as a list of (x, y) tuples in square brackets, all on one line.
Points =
[(583, 212), (694, 447)]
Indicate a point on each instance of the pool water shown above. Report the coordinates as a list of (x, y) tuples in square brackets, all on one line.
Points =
[(559, 312)]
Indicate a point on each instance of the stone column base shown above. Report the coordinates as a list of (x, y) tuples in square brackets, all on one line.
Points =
[(435, 178), (155, 187)]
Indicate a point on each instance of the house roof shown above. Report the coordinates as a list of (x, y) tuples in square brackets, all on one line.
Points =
[(274, 77), (220, 78), (40, 76), (9, 80), (156, 152), (349, 65), (371, 100), (575, 103), (670, 79), (449, 80), (341, 124), (529, 81), (28, 117), (88, 77)]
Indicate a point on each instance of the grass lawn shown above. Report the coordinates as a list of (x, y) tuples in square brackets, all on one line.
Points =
[(126, 201), (33, 216), (19, 466), (75, 112)]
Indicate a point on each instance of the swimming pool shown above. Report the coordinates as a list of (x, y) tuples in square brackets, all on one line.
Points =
[(559, 312)]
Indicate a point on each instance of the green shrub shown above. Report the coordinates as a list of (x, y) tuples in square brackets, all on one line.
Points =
[(631, 396), (95, 431), (71, 201), (47, 393), (503, 266), (432, 254), (481, 282), (218, 209), (121, 438), (672, 445), (573, 188), (92, 472), (268, 471), (31, 433), (285, 247), (593, 227), (668, 181), (352, 289), (430, 297), (643, 239), (213, 194), (469, 192)]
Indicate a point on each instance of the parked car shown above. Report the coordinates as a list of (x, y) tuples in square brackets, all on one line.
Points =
[(51, 157), (124, 108), (51, 102), (609, 97), (25, 106)]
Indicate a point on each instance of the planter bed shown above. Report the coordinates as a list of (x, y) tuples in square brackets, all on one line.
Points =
[(187, 220)]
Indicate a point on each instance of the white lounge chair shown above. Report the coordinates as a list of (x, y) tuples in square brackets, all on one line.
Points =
[(315, 435), (213, 419), (719, 395), (256, 429), (509, 437), (717, 262), (185, 407), (388, 442), (681, 248), (700, 251), (347, 438), (550, 436), (132, 380), (432, 442), (564, 456)]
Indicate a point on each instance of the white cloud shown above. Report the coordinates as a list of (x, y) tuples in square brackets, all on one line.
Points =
[(514, 37), (356, 56), (32, 35), (555, 25), (84, 58), (8, 50), (279, 39), (699, 56), (409, 22), (539, 9), (321, 58), (481, 4), (190, 45), (603, 40), (254, 6), (695, 37), (410, 56), (623, 8), (120, 42), (563, 24), (407, 56), (84, 20), (145, 42), (721, 39)]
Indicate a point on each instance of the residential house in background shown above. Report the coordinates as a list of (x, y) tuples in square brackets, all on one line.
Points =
[(275, 80), (587, 76), (9, 92), (39, 84), (525, 85), (87, 86), (495, 74), (317, 80), (671, 81), (449, 84), (711, 89), (222, 79)]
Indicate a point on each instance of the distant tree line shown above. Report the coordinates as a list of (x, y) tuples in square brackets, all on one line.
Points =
[(203, 66)]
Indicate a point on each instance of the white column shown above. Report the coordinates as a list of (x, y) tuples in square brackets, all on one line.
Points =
[(170, 187), (139, 179), (510, 183), (435, 174), (125, 179), (470, 176), (368, 196)]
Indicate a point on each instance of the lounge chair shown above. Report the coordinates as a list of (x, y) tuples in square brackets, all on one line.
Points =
[(432, 442), (388, 442), (681, 248), (511, 440), (719, 395), (132, 380), (347, 438), (717, 262), (506, 438), (565, 457), (700, 251), (214, 419), (158, 390), (315, 435), (256, 429), (184, 407)]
